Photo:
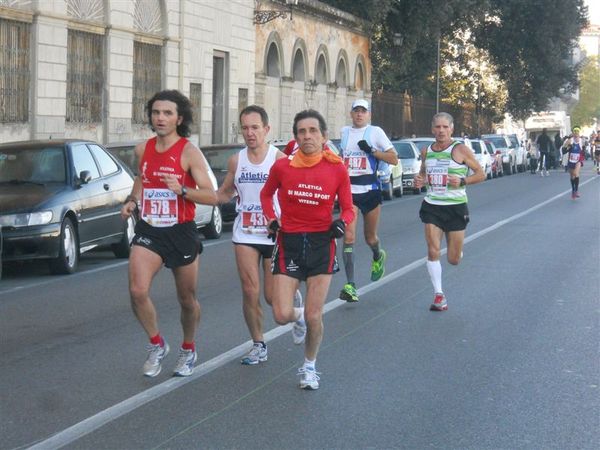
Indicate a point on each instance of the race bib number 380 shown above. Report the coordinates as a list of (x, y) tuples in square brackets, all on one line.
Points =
[(159, 207), (437, 178)]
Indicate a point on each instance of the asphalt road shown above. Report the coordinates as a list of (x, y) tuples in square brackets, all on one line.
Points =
[(513, 363)]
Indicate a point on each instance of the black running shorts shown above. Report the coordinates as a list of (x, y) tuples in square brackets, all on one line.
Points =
[(446, 217), (303, 255), (177, 245), (266, 251), (368, 201)]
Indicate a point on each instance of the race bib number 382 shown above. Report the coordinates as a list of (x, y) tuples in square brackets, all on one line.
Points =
[(159, 207)]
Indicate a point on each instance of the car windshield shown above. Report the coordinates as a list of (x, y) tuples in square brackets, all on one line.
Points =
[(127, 155), (217, 159), (34, 165), (476, 147), (404, 150), (422, 143), (499, 142)]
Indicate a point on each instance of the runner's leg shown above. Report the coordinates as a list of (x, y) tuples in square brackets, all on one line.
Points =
[(316, 292), (248, 261), (186, 280), (143, 265)]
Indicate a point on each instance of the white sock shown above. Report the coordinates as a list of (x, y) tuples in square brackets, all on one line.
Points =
[(309, 363), (435, 273), (299, 313)]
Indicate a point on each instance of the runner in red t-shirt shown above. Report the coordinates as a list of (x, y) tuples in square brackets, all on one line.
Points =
[(173, 177), (306, 185)]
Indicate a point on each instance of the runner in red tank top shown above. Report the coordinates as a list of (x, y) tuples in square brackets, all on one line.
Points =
[(306, 185), (173, 176)]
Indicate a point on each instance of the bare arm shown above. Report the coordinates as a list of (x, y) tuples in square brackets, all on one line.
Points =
[(227, 190), (463, 155), (420, 179), (193, 160), (389, 155), (131, 203)]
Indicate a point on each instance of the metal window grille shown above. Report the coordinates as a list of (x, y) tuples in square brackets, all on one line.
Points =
[(84, 77), (146, 77), (196, 99), (14, 71)]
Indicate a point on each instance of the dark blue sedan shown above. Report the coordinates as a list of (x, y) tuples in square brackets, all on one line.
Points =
[(60, 198)]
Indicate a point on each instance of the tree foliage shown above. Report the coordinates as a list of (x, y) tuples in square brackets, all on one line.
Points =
[(588, 107), (523, 45)]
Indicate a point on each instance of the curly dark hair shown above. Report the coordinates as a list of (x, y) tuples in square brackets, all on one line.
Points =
[(184, 110), (310, 114)]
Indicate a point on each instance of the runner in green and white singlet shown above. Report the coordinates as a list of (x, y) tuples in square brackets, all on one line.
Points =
[(445, 165)]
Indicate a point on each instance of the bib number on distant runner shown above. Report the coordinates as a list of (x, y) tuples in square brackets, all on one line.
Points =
[(573, 158), (357, 165), (159, 207)]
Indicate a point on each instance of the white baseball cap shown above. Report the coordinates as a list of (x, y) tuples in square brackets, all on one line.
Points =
[(361, 102)]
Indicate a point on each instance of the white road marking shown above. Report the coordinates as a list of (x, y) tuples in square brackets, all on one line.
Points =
[(100, 419)]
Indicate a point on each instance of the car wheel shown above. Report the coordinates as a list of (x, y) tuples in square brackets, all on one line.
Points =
[(214, 229), (386, 190), (121, 250), (68, 251), (399, 191)]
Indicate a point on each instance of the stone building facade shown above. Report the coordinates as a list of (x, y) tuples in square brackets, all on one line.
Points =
[(84, 68)]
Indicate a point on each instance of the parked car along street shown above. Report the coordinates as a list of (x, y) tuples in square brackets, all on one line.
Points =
[(502, 143), (482, 156), (208, 218), (496, 159), (411, 162), (217, 156), (60, 198), (520, 153)]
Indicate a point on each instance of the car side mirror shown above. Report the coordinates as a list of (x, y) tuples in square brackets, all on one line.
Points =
[(84, 177)]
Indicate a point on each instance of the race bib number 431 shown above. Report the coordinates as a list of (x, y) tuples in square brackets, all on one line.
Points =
[(253, 220)]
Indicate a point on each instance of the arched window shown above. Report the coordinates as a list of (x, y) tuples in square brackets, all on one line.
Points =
[(321, 71), (273, 69), (340, 75), (298, 72), (359, 80)]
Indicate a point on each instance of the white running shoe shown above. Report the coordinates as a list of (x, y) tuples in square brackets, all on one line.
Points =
[(257, 354), (298, 300), (185, 363), (299, 329), (309, 378), (156, 353)]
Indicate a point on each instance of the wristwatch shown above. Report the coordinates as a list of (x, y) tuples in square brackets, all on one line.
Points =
[(184, 191), (463, 182)]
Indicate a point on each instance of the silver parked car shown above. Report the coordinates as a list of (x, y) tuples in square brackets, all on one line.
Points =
[(509, 156), (208, 217)]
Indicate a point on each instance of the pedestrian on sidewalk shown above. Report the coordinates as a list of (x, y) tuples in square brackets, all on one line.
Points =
[(544, 144)]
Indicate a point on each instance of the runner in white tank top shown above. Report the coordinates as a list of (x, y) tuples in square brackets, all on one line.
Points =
[(247, 172), (250, 226)]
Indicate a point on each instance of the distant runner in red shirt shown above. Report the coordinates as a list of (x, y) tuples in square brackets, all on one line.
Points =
[(306, 185)]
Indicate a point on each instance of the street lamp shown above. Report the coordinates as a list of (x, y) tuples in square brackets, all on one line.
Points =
[(266, 15), (437, 78)]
